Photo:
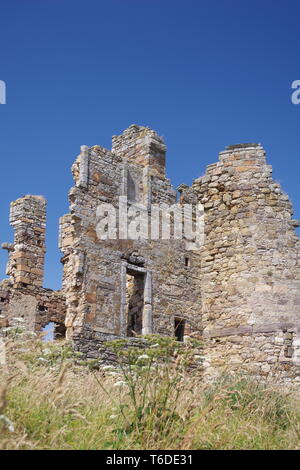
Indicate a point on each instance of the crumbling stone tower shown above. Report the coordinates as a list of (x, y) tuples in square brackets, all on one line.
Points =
[(27, 253), (22, 296), (115, 286)]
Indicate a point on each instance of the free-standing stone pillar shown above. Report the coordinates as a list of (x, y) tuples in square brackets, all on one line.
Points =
[(27, 253)]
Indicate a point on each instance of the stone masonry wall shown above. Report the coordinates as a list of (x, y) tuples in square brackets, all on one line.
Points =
[(250, 268), (239, 291), (30, 308), (26, 254), (95, 270), (23, 300)]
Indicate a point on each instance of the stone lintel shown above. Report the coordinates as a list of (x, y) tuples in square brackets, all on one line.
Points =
[(251, 330)]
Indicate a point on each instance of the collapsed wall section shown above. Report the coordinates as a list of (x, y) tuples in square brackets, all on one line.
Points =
[(23, 300), (31, 309)]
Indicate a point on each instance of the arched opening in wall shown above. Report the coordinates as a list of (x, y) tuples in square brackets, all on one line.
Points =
[(54, 331), (179, 325)]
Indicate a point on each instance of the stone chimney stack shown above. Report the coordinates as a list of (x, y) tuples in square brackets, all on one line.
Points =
[(245, 156), (27, 253), (142, 146)]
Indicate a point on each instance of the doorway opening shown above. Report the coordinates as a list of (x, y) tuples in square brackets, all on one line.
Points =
[(54, 331), (135, 287)]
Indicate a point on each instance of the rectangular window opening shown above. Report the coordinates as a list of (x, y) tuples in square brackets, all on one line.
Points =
[(179, 325), (42, 308)]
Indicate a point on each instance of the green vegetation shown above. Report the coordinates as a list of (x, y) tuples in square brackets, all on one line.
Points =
[(153, 398)]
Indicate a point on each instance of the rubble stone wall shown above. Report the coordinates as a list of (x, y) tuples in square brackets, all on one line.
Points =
[(95, 270), (30, 308), (250, 268), (23, 300), (27, 253), (239, 291)]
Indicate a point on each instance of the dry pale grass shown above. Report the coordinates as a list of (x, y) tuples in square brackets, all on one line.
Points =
[(49, 401)]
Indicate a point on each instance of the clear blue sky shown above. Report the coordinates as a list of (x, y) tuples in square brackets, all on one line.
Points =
[(204, 74)]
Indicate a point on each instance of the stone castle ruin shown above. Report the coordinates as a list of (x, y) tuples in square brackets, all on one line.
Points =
[(239, 291)]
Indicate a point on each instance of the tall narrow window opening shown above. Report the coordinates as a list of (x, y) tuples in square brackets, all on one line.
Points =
[(179, 324)]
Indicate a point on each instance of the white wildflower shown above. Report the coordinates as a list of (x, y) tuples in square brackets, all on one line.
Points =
[(113, 416), (143, 356), (187, 339), (8, 423), (120, 383), (42, 359)]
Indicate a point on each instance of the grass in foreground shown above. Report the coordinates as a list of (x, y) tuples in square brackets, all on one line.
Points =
[(50, 399)]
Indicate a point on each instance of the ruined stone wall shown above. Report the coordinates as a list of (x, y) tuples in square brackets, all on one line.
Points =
[(142, 146), (95, 270), (26, 254), (31, 309), (250, 268), (240, 290), (23, 300)]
